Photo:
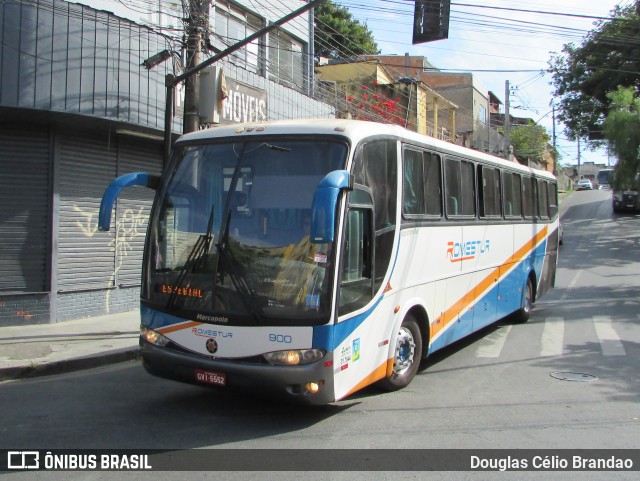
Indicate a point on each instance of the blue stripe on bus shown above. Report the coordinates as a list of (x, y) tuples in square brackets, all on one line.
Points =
[(156, 320), (332, 335), (513, 281)]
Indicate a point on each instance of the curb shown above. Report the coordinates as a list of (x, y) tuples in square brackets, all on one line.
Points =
[(70, 365)]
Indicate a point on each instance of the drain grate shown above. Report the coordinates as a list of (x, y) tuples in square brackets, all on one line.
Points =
[(573, 376)]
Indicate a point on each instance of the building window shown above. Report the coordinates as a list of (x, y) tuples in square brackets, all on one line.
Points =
[(482, 114), (286, 65), (232, 25)]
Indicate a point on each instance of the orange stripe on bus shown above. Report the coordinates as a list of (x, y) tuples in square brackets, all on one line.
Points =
[(463, 259), (470, 297), (382, 371), (178, 327)]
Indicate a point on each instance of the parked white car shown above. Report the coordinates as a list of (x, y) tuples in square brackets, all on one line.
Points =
[(584, 184)]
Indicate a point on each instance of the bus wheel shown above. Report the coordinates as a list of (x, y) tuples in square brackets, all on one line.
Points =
[(522, 314), (407, 356)]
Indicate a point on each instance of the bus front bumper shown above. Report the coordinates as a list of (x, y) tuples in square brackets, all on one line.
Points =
[(291, 382)]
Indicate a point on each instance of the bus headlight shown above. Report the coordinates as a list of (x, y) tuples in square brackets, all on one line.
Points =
[(294, 357), (153, 337)]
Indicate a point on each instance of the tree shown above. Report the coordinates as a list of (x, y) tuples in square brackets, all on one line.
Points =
[(584, 75), (339, 35), (529, 142), (622, 130), (376, 107)]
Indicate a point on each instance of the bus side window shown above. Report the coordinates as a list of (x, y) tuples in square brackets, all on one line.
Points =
[(512, 184), (422, 184), (529, 207), (543, 200), (453, 185), (553, 200), (452, 205), (356, 285), (460, 187), (375, 166)]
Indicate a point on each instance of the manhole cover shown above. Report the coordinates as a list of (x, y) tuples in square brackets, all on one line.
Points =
[(573, 376)]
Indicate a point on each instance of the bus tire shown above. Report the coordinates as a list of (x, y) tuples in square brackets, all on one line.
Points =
[(522, 315), (406, 357)]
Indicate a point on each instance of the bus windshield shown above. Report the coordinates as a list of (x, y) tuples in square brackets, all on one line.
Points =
[(605, 178), (229, 235)]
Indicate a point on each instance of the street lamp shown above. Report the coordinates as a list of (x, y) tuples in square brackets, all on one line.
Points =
[(156, 59), (171, 81)]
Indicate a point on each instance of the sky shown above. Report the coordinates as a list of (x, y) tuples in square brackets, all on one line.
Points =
[(497, 44)]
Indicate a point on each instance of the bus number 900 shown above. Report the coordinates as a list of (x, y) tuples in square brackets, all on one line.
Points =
[(282, 338)]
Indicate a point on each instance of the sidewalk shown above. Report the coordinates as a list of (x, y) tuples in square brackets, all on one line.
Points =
[(45, 349)]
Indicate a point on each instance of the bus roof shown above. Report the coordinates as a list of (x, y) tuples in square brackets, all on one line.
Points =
[(354, 130)]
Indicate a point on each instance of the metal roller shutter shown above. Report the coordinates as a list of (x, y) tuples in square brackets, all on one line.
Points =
[(24, 209), (85, 255), (134, 207)]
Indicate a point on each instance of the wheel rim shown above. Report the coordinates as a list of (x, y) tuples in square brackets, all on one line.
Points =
[(527, 298), (405, 351)]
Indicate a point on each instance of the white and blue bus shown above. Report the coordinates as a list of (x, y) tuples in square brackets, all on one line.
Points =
[(314, 258), (604, 178)]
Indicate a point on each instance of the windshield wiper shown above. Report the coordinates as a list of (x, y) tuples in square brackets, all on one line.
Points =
[(197, 257), (277, 148), (238, 280)]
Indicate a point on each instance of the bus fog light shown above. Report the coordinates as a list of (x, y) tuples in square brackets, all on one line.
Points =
[(294, 357), (313, 387), (153, 337)]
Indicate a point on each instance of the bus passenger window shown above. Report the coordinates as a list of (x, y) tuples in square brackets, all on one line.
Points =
[(453, 185), (422, 184), (468, 188), (553, 200), (528, 198), (452, 205), (356, 288), (543, 200), (489, 192), (512, 194), (375, 166)]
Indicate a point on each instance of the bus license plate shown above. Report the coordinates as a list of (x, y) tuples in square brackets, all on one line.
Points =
[(210, 377)]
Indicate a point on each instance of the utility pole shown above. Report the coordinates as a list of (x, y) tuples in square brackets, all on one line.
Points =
[(553, 137), (196, 26), (507, 119), (579, 176), (171, 81)]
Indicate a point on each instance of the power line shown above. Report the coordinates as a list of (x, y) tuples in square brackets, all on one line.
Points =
[(541, 12)]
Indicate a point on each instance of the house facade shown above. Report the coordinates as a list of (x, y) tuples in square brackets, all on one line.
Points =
[(367, 90), (473, 100)]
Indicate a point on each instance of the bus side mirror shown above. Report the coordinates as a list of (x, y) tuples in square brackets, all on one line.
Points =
[(111, 193), (323, 207)]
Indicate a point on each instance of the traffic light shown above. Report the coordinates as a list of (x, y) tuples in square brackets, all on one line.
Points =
[(431, 20)]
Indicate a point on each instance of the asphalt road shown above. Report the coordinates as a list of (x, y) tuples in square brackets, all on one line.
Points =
[(567, 379)]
